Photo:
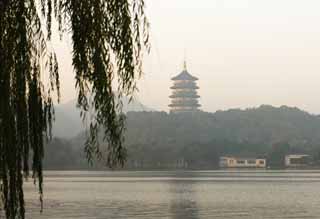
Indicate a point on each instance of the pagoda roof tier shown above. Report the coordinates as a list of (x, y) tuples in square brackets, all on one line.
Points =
[(184, 101), (184, 86), (182, 95), (184, 105), (184, 76)]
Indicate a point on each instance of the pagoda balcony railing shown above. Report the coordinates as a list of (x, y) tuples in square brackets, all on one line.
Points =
[(189, 101), (184, 86), (184, 83), (181, 95), (184, 92)]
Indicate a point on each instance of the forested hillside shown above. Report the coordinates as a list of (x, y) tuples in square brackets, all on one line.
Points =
[(162, 140), (263, 125)]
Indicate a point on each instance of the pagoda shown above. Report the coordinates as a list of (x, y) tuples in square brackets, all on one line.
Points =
[(184, 98)]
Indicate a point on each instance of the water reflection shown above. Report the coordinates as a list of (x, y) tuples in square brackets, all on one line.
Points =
[(183, 203)]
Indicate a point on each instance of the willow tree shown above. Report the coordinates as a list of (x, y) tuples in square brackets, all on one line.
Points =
[(108, 38)]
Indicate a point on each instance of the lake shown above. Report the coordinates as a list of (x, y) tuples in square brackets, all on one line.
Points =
[(177, 194)]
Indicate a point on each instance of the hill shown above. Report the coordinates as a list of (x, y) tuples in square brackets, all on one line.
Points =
[(263, 125), (162, 140), (68, 122)]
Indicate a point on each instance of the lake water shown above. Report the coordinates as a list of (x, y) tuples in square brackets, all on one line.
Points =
[(178, 194)]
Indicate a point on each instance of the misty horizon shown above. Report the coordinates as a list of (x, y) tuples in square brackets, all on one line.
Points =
[(245, 53)]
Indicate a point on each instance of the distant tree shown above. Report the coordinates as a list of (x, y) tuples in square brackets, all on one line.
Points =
[(108, 38), (200, 155), (276, 158), (60, 155)]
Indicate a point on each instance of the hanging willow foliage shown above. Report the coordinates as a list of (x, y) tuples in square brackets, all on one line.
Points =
[(108, 38)]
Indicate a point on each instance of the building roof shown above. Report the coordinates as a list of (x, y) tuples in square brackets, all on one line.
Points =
[(243, 157), (184, 75), (297, 155)]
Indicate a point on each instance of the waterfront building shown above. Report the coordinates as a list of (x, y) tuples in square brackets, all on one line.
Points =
[(238, 162), (184, 96), (297, 160)]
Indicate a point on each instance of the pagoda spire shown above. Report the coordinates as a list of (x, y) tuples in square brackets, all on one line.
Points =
[(185, 61), (185, 65)]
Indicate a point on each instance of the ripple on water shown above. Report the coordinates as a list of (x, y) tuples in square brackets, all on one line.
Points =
[(178, 195)]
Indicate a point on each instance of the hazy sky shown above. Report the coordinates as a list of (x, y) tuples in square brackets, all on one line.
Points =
[(245, 53)]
